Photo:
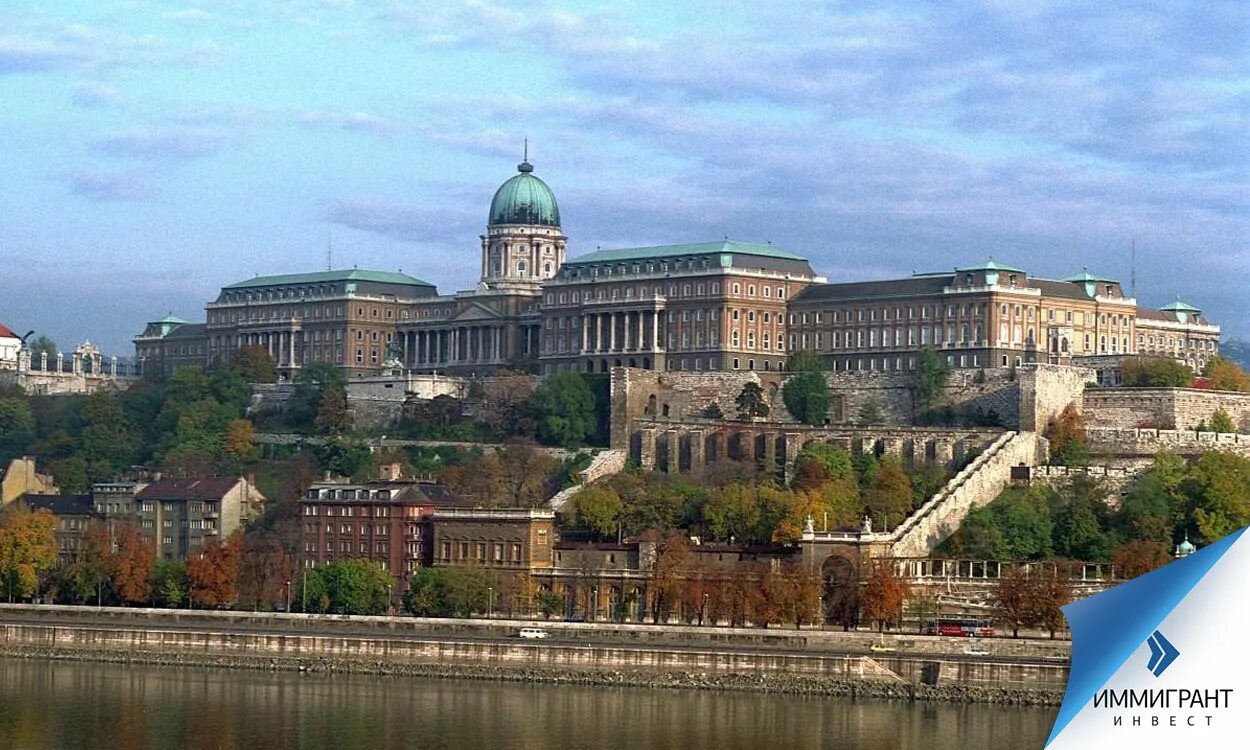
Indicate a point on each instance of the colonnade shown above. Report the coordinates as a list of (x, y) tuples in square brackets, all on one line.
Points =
[(279, 344), (630, 330), (689, 450), (466, 345)]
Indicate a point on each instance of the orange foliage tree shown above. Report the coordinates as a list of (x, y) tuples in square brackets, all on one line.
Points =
[(214, 573), (131, 564), (27, 548), (884, 592)]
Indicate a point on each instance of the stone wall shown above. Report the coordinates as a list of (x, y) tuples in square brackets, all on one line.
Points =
[(604, 464), (1163, 408), (1127, 444), (1046, 390), (1117, 479)]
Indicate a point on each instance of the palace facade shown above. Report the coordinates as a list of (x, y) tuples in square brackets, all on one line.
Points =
[(722, 305)]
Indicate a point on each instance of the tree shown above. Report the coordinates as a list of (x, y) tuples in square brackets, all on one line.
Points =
[(598, 508), (40, 346), (1138, 557), (804, 360), (884, 592), (1218, 486), (240, 440), (806, 396), (427, 594), (169, 583), (932, 372), (1013, 599), (1080, 512), (1155, 372), (333, 416), (214, 573), (668, 574), (517, 475), (311, 384), (869, 413), (131, 565), (564, 410), (17, 427), (352, 587), (1066, 434), (1049, 590), (890, 498), (505, 400), (750, 402), (254, 364), (1226, 375), (27, 548), (1222, 422)]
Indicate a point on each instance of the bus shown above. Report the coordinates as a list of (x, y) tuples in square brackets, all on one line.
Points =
[(965, 627)]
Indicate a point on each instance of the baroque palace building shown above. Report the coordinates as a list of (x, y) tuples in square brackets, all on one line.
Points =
[(722, 305)]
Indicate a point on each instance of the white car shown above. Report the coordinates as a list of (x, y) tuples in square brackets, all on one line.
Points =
[(975, 650), (533, 633)]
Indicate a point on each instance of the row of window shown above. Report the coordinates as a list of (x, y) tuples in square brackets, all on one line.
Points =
[(478, 551)]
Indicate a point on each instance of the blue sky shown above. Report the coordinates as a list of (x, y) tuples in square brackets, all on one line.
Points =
[(153, 152)]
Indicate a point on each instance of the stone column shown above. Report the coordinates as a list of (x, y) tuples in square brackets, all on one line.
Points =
[(794, 443), (113, 366), (77, 363), (892, 446), (585, 326), (674, 452), (612, 332), (943, 451), (697, 459), (770, 451), (746, 446), (290, 337), (646, 448), (626, 345)]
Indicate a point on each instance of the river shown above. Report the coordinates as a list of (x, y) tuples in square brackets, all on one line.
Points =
[(46, 705)]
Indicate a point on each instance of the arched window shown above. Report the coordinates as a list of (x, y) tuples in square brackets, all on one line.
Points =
[(520, 268)]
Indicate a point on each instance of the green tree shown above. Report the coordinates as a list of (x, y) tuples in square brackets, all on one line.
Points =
[(932, 372), (1066, 434), (169, 583), (750, 402), (564, 410), (1222, 422), (428, 593), (1226, 375), (835, 461), (806, 396), (344, 458), (598, 508), (17, 427), (351, 587), (1155, 372), (254, 364), (309, 388), (39, 346), (1219, 488), (1080, 514), (804, 360)]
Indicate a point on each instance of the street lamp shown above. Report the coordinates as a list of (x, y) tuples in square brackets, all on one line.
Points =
[(288, 596), (303, 592), (594, 602), (490, 601)]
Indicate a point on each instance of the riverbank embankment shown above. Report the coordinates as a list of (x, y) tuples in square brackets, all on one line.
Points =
[(795, 661)]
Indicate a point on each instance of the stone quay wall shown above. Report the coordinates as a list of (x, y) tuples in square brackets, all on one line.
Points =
[(922, 667), (1163, 408)]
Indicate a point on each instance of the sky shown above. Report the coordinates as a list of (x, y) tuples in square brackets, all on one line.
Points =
[(153, 152)]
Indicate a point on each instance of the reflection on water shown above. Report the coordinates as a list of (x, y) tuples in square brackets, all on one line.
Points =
[(89, 705)]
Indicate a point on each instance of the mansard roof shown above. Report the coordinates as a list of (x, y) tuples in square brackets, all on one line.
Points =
[(319, 277)]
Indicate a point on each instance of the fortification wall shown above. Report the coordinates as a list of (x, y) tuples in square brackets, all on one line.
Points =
[(1144, 444), (1163, 408), (1117, 479)]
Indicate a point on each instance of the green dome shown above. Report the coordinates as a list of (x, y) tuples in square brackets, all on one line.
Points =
[(524, 199)]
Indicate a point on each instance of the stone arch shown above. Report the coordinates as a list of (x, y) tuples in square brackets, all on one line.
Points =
[(839, 576), (711, 446), (616, 362), (590, 365), (633, 362), (603, 366)]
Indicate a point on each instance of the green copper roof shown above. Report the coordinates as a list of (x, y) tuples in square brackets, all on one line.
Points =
[(524, 199), (693, 248), (354, 274), (1085, 276), (171, 318), (990, 265), (1179, 306)]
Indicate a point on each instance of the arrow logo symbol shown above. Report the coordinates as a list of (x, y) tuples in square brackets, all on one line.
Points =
[(1162, 653)]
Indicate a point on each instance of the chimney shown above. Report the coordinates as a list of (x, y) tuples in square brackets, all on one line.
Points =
[(391, 472)]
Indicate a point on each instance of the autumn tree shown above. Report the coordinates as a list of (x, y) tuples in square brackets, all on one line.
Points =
[(240, 440), (254, 364), (310, 386), (1066, 434), (517, 475), (1138, 557), (890, 498), (27, 548), (598, 509), (333, 416), (214, 573), (1049, 591), (884, 592), (1013, 599), (131, 564), (751, 402), (505, 402), (1226, 375), (668, 572)]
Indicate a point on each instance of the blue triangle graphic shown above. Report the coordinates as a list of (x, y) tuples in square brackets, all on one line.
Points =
[(1108, 627)]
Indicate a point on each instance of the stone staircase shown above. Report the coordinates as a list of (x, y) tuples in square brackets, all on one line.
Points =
[(605, 463), (975, 485)]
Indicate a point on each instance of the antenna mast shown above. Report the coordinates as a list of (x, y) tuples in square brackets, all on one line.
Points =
[(1132, 283), (330, 253)]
